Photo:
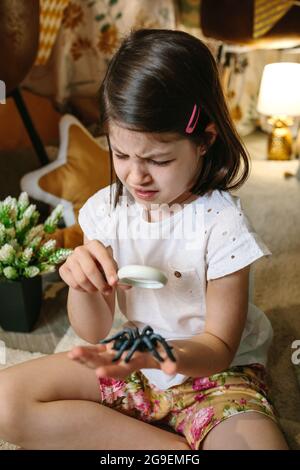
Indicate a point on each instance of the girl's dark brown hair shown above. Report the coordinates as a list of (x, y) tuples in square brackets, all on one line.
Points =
[(152, 84)]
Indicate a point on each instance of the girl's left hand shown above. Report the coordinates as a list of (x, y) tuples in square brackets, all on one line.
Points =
[(100, 358)]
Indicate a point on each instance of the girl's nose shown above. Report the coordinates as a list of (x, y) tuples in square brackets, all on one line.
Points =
[(139, 175)]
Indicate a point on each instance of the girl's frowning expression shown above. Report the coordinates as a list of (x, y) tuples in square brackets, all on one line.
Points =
[(155, 168)]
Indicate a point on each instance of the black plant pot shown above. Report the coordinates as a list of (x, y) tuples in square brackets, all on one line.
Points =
[(20, 303)]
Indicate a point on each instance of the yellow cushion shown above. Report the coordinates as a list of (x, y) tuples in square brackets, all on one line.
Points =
[(81, 168)]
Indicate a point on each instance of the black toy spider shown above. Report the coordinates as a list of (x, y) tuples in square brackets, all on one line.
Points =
[(131, 339)]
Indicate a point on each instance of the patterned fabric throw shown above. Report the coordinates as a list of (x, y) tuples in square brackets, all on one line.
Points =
[(267, 13), (81, 36), (51, 15)]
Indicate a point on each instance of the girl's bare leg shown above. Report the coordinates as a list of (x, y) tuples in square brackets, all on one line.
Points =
[(53, 403), (245, 431)]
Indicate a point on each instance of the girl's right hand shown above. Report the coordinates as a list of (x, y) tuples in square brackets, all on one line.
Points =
[(91, 268)]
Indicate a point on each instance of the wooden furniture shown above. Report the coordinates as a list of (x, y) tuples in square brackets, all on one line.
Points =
[(19, 39), (232, 21)]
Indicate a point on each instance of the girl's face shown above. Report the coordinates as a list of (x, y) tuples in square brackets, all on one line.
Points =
[(154, 171)]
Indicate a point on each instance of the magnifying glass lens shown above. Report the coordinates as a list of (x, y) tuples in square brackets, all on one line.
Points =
[(142, 276)]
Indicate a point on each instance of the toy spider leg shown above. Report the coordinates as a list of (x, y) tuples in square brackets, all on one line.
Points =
[(123, 341), (122, 348), (143, 344), (130, 339), (130, 332), (152, 338), (165, 345)]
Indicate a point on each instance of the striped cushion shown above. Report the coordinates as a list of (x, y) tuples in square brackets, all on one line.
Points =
[(267, 13), (51, 15)]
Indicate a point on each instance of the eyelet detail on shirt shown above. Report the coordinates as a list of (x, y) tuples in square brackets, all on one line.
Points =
[(184, 282)]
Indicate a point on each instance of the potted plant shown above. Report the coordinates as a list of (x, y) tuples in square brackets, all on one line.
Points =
[(26, 253)]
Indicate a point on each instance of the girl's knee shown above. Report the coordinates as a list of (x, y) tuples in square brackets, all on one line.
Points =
[(12, 407)]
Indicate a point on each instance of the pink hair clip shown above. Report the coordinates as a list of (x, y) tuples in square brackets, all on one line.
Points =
[(191, 127)]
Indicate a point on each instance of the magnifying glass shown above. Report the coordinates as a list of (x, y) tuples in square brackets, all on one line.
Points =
[(142, 276)]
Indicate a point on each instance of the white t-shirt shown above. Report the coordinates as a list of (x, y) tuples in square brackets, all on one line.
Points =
[(208, 238)]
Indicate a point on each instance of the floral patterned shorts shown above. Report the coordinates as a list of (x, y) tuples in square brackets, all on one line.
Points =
[(194, 407)]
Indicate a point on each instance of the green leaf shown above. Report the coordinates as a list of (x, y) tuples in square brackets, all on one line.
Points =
[(99, 17), (105, 27), (113, 2), (119, 15)]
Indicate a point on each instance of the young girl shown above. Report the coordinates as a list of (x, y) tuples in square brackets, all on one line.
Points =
[(175, 155)]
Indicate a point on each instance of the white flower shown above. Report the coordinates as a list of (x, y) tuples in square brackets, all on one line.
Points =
[(7, 254)]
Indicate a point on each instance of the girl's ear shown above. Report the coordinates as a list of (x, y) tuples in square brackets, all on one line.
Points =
[(211, 133), (210, 136)]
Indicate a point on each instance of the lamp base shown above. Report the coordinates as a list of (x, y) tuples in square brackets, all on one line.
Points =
[(280, 141)]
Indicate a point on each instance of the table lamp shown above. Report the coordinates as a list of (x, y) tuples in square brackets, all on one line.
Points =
[(279, 98)]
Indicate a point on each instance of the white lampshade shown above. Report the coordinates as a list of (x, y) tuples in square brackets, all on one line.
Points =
[(279, 92)]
